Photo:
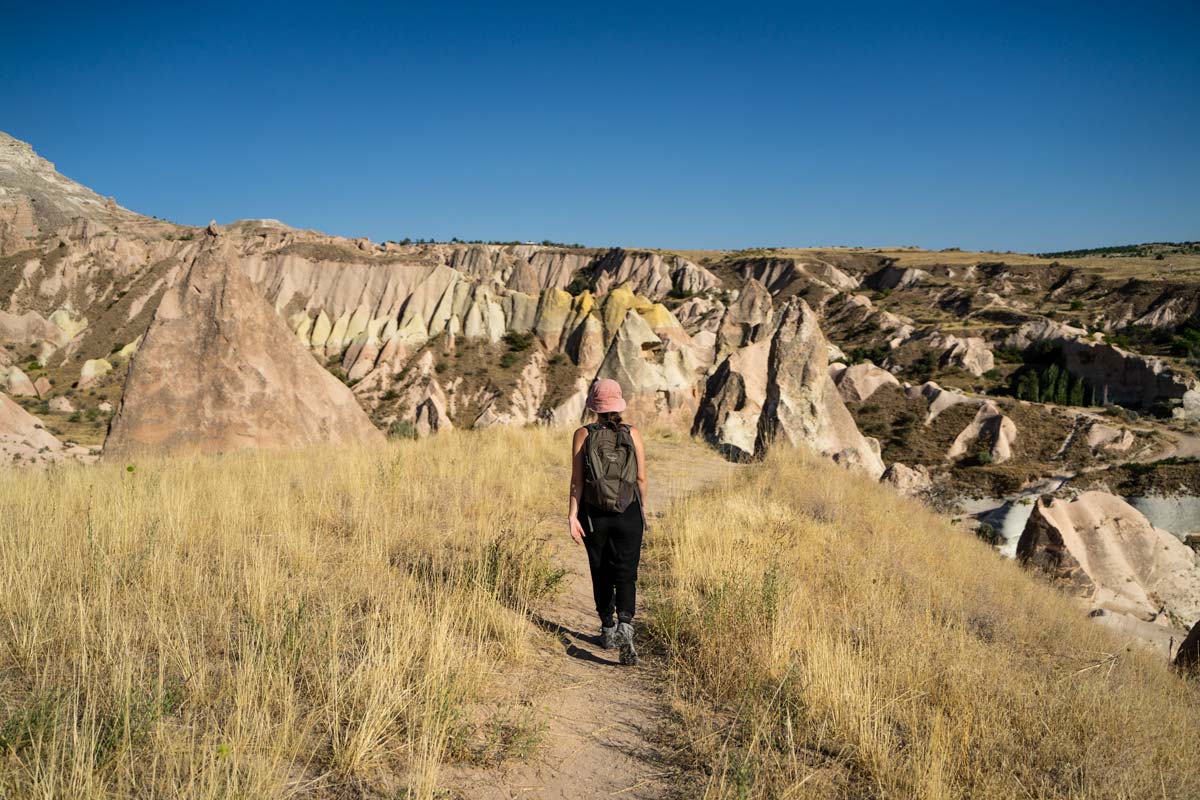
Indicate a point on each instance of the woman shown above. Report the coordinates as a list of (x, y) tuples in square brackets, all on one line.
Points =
[(606, 515)]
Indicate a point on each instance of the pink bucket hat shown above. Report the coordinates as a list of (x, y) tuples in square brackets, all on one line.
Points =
[(605, 396)]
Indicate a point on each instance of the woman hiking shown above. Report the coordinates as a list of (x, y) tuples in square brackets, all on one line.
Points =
[(607, 513)]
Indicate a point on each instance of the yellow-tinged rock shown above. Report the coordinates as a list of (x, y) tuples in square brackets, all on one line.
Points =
[(126, 352), (553, 311), (618, 303), (65, 320), (583, 304), (658, 317), (93, 369), (320, 331), (302, 324)]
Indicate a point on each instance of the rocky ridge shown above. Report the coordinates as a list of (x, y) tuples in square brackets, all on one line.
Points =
[(432, 336)]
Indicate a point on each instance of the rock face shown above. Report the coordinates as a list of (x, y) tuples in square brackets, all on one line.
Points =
[(35, 198), (801, 405), (733, 400), (746, 319), (893, 277), (1117, 375), (658, 376), (1187, 658), (1102, 549), (990, 432), (218, 370)]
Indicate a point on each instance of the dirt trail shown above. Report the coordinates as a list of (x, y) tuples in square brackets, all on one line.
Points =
[(601, 718)]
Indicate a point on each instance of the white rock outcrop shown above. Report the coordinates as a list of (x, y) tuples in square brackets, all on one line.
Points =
[(990, 432), (1102, 549), (858, 382)]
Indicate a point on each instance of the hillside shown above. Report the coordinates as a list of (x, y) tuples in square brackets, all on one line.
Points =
[(389, 622)]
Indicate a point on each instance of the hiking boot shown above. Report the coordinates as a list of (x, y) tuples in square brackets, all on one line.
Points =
[(608, 636), (624, 637)]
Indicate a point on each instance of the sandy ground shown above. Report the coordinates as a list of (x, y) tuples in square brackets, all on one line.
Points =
[(602, 736)]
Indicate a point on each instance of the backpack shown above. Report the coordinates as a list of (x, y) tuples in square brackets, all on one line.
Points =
[(610, 469)]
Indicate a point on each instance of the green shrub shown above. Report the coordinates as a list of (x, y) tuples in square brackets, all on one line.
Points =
[(402, 429), (518, 342), (876, 354)]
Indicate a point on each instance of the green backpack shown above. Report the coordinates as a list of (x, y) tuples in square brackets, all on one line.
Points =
[(610, 469)]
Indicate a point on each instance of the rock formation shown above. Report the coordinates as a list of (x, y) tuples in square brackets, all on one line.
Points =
[(218, 370), (733, 399), (24, 441), (658, 378), (1187, 658), (746, 319), (1100, 548), (990, 433), (858, 382), (17, 383), (801, 405), (908, 481), (34, 199)]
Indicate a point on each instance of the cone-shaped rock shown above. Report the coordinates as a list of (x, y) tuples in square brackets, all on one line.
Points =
[(218, 370), (802, 403)]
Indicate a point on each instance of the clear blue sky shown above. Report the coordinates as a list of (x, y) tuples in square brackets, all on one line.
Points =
[(984, 125)]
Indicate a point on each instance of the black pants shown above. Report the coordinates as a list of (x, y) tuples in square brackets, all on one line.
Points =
[(614, 547)]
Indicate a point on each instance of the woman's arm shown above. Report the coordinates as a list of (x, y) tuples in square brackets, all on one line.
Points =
[(573, 526), (640, 450)]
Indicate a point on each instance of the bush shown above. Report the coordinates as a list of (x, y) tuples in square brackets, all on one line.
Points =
[(877, 355), (518, 342), (402, 429), (924, 366), (989, 534), (508, 359)]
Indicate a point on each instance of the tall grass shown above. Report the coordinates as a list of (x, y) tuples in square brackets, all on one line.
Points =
[(827, 639), (264, 625)]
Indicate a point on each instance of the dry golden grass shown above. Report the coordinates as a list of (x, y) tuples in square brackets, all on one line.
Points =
[(856, 645), (265, 625), (321, 623)]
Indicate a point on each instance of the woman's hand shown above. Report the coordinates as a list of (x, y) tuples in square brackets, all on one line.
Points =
[(576, 529)]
